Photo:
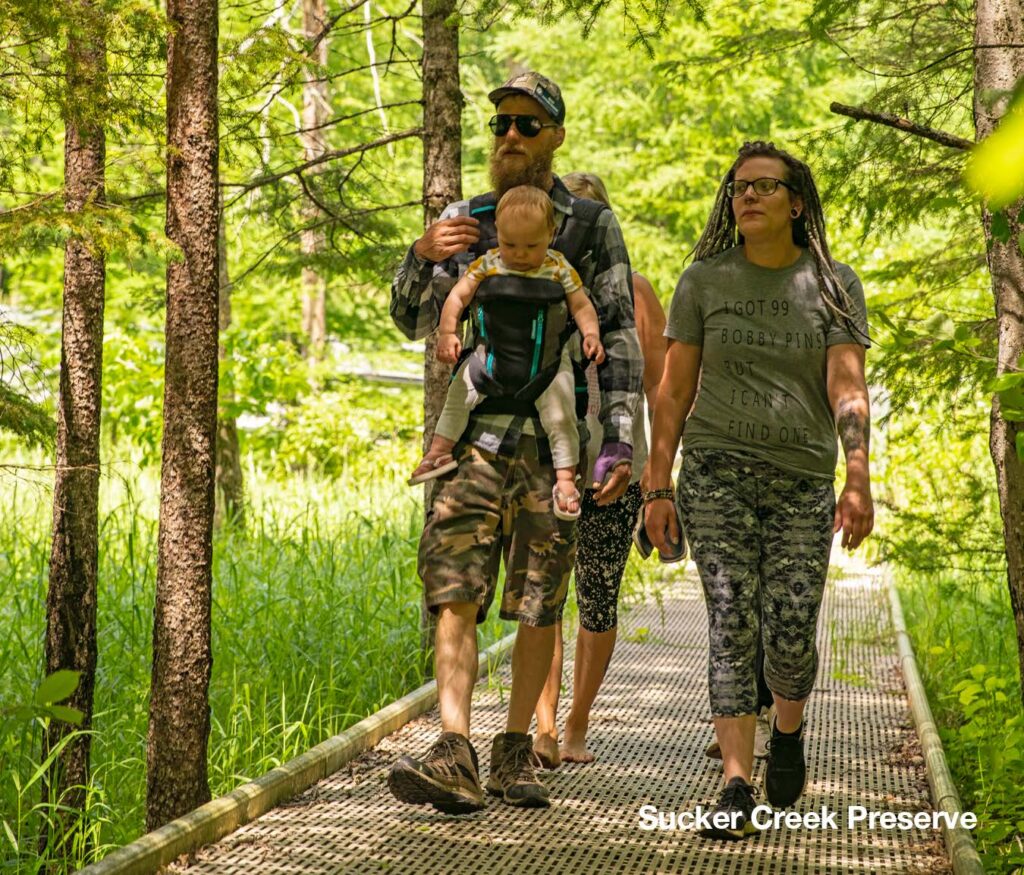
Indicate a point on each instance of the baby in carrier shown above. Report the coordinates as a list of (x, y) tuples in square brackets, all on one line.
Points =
[(520, 293)]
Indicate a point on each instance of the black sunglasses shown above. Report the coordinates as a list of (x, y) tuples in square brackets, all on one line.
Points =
[(765, 186), (526, 125)]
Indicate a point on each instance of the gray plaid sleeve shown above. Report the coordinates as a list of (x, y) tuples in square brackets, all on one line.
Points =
[(620, 378), (416, 296)]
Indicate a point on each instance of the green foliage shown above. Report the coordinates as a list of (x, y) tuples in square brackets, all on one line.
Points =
[(315, 625), (52, 689), (995, 169), (964, 639), (23, 417)]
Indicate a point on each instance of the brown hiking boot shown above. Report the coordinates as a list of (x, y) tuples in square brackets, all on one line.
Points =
[(447, 777), (513, 776)]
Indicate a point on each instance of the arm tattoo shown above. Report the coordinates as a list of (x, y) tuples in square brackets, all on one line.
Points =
[(854, 428)]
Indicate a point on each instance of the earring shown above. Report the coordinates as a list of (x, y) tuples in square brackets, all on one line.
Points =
[(795, 213)]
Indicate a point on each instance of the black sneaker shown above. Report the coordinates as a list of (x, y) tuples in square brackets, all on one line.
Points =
[(513, 774), (737, 801), (447, 777), (785, 774)]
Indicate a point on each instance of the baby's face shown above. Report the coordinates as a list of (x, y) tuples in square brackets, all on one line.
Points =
[(523, 241)]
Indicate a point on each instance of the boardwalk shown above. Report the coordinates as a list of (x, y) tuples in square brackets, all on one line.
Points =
[(649, 732)]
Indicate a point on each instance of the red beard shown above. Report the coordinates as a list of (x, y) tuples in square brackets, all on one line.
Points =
[(505, 176)]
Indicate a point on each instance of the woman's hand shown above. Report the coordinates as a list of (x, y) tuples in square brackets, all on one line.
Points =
[(855, 515), (662, 525), (448, 348)]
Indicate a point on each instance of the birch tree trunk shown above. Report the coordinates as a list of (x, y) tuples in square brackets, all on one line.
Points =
[(179, 718), (999, 65), (71, 596), (315, 110)]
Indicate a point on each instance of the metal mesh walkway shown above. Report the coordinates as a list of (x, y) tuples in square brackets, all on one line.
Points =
[(649, 731)]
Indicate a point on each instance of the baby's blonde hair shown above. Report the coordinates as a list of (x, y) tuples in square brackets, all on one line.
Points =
[(526, 200)]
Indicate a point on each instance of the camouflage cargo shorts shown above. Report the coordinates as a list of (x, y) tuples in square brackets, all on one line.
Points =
[(761, 539), (498, 507)]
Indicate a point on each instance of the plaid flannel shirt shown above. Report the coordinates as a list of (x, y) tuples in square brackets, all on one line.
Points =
[(420, 287)]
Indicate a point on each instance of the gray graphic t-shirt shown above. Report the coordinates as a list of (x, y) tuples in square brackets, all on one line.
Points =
[(765, 333)]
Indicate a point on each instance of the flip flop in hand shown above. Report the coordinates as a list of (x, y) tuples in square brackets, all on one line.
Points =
[(430, 468)]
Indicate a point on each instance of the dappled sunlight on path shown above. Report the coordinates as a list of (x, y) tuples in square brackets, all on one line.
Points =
[(649, 731)]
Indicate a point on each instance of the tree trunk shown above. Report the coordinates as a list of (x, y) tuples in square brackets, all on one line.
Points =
[(315, 111), (71, 597), (179, 718), (1001, 23), (442, 184), (230, 488)]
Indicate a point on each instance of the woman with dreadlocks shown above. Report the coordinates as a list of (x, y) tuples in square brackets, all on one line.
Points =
[(773, 331)]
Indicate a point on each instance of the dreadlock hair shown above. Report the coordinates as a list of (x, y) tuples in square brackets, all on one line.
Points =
[(721, 232)]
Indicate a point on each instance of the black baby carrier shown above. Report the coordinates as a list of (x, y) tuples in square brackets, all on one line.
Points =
[(523, 322)]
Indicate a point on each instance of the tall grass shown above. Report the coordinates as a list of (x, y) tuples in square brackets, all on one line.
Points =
[(965, 641), (315, 625)]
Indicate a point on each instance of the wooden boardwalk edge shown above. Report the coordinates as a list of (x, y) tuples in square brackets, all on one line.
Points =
[(959, 842), (224, 815)]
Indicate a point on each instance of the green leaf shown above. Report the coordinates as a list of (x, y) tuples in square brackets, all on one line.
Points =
[(1006, 381), (1011, 399), (68, 715), (57, 687), (968, 693), (1001, 227), (10, 837), (995, 168), (1020, 445), (962, 333)]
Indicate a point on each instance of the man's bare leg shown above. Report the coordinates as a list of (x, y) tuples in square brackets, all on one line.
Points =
[(531, 665), (593, 655), (447, 776), (545, 742), (455, 664)]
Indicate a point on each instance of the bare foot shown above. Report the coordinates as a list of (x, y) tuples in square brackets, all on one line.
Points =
[(546, 748), (574, 747)]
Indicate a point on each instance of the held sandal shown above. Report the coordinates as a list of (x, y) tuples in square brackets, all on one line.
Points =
[(428, 469), (557, 500)]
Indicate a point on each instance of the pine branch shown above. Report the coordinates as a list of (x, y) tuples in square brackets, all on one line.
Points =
[(894, 121), (333, 155), (25, 418)]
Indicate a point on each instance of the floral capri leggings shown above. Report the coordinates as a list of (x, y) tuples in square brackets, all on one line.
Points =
[(761, 539), (604, 537)]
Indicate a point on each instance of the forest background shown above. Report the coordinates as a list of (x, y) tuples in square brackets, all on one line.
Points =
[(316, 604)]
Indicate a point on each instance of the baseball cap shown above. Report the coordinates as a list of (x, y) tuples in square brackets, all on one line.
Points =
[(540, 88)]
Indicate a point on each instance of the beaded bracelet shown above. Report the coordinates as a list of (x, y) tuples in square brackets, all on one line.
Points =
[(655, 494)]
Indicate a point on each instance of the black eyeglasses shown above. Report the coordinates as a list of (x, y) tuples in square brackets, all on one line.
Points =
[(526, 125), (766, 185)]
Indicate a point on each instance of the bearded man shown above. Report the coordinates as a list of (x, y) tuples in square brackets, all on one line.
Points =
[(498, 503)]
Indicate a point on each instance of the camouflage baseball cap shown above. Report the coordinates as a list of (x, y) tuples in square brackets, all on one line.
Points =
[(540, 88)]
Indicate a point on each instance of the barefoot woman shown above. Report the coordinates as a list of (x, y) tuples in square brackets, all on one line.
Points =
[(604, 536)]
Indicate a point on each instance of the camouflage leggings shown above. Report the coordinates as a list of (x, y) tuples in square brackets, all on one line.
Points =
[(761, 539)]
